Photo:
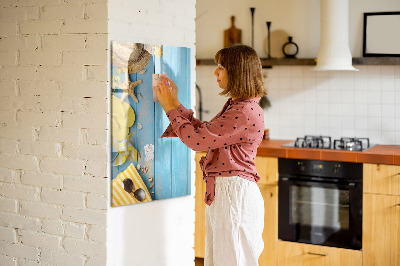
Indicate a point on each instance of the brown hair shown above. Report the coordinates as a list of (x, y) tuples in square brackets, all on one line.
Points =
[(245, 78)]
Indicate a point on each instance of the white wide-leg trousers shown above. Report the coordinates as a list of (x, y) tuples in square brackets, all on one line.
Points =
[(234, 223)]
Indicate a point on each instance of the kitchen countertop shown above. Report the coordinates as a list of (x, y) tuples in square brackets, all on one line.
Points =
[(379, 154)]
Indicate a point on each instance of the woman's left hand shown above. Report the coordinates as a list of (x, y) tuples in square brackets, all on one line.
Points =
[(163, 90)]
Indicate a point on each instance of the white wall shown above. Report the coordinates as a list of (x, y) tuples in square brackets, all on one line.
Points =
[(299, 18), (53, 116), (160, 232), (338, 104)]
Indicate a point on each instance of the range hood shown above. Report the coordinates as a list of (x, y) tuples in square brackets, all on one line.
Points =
[(334, 51)]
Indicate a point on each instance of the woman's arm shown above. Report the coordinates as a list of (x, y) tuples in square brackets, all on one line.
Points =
[(187, 113), (228, 129)]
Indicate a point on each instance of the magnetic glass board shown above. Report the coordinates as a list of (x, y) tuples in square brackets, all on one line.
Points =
[(146, 167)]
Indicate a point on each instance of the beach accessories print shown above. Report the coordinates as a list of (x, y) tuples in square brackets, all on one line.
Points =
[(144, 166), (120, 196), (129, 187)]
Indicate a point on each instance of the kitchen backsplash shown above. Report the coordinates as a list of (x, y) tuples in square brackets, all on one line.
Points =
[(337, 104)]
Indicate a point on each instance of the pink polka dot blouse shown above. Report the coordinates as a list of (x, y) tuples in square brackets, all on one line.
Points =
[(231, 139)]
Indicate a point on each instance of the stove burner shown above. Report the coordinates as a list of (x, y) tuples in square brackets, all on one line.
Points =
[(324, 142), (351, 144), (308, 141)]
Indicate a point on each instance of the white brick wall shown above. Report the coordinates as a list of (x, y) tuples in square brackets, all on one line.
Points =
[(61, 258), (75, 230), (8, 234), (53, 127), (53, 227), (53, 113)]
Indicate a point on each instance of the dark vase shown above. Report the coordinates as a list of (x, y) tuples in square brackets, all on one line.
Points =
[(290, 49)]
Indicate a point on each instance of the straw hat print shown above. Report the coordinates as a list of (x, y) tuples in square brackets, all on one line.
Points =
[(130, 58), (138, 59), (120, 53)]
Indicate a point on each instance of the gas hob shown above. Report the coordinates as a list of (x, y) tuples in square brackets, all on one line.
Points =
[(325, 142)]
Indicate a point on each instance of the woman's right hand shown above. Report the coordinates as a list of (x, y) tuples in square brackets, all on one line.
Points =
[(174, 90)]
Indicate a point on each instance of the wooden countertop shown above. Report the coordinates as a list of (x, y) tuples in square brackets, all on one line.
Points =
[(379, 154)]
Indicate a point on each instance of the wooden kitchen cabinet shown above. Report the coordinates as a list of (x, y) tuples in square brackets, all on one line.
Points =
[(267, 168), (270, 233), (200, 207), (381, 179), (381, 215), (298, 254), (381, 230)]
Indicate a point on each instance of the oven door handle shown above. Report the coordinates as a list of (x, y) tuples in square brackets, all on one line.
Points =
[(329, 184)]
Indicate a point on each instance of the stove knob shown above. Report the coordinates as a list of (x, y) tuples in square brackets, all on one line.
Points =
[(336, 169), (302, 167)]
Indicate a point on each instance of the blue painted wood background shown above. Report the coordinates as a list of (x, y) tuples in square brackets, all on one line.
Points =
[(171, 167)]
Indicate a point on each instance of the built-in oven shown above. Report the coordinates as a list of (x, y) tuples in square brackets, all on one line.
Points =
[(320, 202)]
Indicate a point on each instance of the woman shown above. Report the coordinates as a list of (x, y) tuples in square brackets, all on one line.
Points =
[(235, 208)]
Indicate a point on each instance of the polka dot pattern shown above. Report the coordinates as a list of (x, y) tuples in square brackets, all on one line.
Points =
[(231, 139)]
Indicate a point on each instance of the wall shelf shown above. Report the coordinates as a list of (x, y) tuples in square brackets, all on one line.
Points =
[(376, 61), (312, 61)]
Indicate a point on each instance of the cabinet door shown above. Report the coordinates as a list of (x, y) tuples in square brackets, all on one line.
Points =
[(200, 207), (381, 179), (297, 254), (270, 233), (267, 168), (381, 230)]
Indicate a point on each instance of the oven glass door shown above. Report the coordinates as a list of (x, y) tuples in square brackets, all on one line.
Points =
[(321, 213), (319, 207)]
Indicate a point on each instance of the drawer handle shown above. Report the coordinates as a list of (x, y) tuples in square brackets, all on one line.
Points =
[(318, 254)]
